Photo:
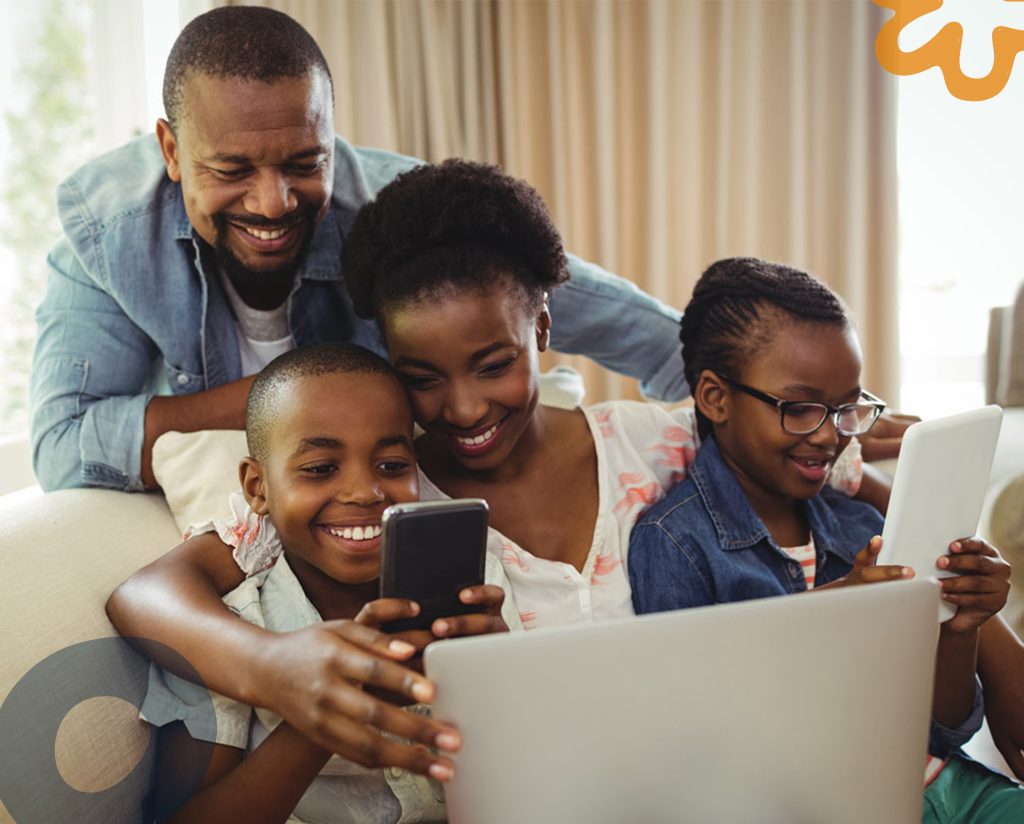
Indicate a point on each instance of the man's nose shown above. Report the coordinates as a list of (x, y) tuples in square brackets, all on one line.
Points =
[(270, 195)]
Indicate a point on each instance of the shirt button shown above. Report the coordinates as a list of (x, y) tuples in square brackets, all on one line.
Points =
[(182, 380), (395, 772)]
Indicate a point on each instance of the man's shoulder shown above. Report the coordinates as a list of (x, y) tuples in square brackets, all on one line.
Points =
[(360, 172), (128, 182)]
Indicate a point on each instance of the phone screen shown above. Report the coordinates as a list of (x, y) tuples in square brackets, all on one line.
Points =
[(430, 551)]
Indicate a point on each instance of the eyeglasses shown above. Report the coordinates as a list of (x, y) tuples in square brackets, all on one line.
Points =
[(805, 417)]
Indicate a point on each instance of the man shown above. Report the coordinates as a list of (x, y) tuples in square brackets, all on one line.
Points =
[(190, 261)]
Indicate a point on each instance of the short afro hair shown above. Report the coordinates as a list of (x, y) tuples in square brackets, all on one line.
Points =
[(448, 227), (245, 42), (280, 374), (738, 306)]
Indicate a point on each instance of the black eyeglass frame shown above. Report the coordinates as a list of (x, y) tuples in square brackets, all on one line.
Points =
[(830, 411)]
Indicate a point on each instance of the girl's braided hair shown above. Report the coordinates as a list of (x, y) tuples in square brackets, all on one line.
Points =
[(730, 315)]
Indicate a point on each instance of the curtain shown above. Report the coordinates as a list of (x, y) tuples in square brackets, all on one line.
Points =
[(663, 134)]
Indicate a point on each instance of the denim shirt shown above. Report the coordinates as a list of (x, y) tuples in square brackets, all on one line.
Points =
[(703, 544), (133, 308)]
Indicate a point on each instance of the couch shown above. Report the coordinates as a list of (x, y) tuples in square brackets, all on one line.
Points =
[(71, 745)]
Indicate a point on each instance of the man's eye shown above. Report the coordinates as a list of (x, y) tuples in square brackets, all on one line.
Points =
[(231, 174), (305, 168), (497, 368)]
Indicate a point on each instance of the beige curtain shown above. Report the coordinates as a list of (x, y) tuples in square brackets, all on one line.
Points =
[(664, 134)]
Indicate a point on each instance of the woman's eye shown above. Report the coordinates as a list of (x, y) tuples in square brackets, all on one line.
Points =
[(419, 381)]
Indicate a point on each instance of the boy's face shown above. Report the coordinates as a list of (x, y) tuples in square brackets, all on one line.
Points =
[(338, 453), (805, 361), (469, 362)]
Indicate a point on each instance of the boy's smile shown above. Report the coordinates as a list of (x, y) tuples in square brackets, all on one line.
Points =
[(339, 452)]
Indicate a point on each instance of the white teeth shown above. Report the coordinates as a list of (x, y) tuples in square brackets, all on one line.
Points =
[(356, 533), (479, 439), (264, 235)]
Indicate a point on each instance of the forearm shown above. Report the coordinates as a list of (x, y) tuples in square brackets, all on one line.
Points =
[(955, 682), (262, 789), (219, 408), (173, 608), (1000, 653)]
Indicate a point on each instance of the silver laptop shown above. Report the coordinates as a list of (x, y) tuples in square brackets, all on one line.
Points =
[(808, 708), (939, 489)]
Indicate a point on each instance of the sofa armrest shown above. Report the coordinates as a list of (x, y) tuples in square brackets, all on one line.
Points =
[(61, 555)]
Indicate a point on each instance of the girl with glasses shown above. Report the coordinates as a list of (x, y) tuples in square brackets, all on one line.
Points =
[(775, 367)]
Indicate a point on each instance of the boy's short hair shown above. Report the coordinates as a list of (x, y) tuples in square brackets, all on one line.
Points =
[(449, 227), (309, 361)]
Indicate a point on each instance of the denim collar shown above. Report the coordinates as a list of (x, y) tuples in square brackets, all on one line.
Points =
[(323, 258), (737, 525)]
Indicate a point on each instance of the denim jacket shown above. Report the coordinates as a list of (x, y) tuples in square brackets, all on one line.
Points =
[(133, 308), (703, 544)]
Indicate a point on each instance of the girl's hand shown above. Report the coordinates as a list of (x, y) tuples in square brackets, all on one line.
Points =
[(867, 571), (980, 589), (317, 675), (487, 596)]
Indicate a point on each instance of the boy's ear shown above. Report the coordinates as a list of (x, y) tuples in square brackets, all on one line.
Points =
[(250, 474), (544, 326), (712, 397)]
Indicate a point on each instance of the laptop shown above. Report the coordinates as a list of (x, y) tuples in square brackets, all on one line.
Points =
[(807, 708), (939, 489)]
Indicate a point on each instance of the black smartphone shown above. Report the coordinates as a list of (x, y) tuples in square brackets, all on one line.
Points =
[(430, 551)]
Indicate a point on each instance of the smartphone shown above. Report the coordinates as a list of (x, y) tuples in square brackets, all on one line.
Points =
[(430, 551)]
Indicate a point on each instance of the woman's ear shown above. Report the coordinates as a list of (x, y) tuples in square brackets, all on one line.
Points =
[(544, 326), (712, 397), (250, 474)]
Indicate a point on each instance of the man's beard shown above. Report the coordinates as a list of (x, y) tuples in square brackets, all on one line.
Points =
[(247, 280)]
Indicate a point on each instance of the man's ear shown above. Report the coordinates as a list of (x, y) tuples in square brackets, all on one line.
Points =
[(250, 474), (712, 397), (169, 149), (544, 326)]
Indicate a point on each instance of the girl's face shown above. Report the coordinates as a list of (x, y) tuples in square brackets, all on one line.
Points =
[(338, 453), (805, 361), (469, 363)]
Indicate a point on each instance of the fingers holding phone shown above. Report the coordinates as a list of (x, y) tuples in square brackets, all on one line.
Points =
[(490, 599)]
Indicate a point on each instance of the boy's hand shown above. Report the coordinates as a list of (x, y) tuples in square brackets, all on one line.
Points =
[(867, 571), (490, 599), (980, 589), (318, 674)]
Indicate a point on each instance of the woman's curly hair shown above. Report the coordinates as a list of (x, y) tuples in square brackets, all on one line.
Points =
[(443, 228)]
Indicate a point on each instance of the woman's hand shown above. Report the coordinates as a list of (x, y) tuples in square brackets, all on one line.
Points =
[(867, 571), (980, 589), (316, 676)]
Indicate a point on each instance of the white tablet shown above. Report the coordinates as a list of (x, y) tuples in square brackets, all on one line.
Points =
[(938, 489)]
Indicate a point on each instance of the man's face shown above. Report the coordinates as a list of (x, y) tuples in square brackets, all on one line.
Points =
[(255, 163)]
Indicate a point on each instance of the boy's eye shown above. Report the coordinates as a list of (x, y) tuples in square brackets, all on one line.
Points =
[(394, 467), (318, 469)]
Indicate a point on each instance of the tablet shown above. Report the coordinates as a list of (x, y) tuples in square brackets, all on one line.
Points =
[(938, 489)]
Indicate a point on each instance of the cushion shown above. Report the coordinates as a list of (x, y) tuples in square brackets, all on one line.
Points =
[(1010, 388), (198, 471)]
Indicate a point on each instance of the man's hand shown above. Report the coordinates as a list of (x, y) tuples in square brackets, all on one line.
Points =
[(884, 439), (316, 676), (981, 587), (867, 571)]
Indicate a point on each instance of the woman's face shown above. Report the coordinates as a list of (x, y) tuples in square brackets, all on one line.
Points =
[(469, 363)]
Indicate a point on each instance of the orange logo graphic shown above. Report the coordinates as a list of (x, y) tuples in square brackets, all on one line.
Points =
[(944, 49)]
